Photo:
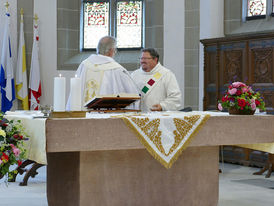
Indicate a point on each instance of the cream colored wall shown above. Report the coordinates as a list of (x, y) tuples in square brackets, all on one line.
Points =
[(46, 11), (211, 26), (174, 45), (191, 53)]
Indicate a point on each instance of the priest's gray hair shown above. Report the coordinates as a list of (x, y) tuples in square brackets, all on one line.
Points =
[(153, 53), (105, 44)]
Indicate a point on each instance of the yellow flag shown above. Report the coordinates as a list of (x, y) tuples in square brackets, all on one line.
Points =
[(21, 70)]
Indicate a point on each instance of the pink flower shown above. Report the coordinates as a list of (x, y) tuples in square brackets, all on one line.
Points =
[(244, 89), (253, 106), (232, 91), (1, 161), (220, 107), (15, 150), (238, 84)]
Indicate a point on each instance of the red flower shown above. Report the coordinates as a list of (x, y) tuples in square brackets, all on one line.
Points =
[(19, 162), (4, 157), (241, 102), (239, 92), (224, 99), (257, 102)]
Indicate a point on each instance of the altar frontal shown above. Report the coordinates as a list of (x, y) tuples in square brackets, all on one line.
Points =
[(165, 135)]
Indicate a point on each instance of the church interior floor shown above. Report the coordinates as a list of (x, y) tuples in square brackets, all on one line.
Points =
[(238, 187)]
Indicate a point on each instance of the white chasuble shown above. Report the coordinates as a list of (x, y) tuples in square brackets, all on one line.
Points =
[(94, 76), (101, 75)]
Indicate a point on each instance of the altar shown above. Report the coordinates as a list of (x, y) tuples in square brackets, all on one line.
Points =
[(101, 162)]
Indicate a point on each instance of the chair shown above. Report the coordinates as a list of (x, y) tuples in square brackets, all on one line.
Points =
[(186, 109)]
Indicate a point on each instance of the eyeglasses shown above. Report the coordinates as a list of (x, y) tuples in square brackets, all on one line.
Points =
[(145, 58)]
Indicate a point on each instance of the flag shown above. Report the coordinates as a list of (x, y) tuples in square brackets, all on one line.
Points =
[(21, 70), (6, 73), (34, 80)]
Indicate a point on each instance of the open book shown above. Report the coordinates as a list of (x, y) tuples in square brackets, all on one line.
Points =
[(117, 101)]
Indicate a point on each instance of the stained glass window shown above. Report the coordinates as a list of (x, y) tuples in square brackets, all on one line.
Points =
[(119, 18), (96, 22), (129, 24), (256, 7)]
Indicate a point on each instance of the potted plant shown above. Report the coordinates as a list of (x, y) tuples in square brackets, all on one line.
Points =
[(241, 99), (12, 151)]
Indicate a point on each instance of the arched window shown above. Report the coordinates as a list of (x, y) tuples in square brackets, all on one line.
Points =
[(122, 19)]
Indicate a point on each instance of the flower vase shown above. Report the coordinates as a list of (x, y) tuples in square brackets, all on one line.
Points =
[(233, 110)]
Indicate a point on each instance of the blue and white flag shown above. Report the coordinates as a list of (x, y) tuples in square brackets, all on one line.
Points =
[(6, 73)]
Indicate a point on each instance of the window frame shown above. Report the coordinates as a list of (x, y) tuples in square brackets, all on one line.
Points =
[(112, 24)]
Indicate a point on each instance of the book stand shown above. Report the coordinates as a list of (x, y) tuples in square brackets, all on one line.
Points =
[(111, 104)]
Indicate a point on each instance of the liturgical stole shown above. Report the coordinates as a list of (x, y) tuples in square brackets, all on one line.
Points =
[(152, 82)]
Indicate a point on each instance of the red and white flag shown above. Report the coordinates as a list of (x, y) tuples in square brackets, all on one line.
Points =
[(35, 80)]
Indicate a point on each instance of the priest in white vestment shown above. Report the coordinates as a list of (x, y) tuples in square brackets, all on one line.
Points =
[(100, 74), (158, 85)]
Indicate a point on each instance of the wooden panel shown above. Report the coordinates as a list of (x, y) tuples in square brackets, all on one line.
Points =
[(246, 58), (211, 72), (262, 74)]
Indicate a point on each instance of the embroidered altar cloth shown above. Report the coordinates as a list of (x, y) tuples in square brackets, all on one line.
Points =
[(165, 135)]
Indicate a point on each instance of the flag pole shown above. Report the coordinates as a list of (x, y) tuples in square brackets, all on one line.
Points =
[(7, 6), (22, 13), (36, 19)]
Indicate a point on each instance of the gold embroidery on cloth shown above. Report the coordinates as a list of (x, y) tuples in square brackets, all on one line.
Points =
[(183, 127), (151, 129), (180, 133), (90, 88)]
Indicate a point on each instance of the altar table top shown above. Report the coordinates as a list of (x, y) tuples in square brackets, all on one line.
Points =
[(93, 134), (103, 132)]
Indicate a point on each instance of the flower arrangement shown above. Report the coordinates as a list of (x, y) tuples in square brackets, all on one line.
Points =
[(241, 97), (12, 152)]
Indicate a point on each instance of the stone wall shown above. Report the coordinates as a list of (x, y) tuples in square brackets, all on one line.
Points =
[(192, 40)]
